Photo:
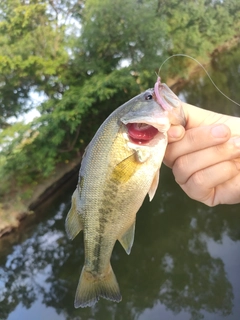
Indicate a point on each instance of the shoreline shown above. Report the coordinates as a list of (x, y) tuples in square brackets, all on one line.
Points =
[(11, 215)]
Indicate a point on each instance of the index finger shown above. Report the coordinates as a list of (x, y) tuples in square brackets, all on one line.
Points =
[(196, 139), (196, 117)]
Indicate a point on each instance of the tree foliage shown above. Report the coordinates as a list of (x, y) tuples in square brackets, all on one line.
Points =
[(32, 54), (87, 58)]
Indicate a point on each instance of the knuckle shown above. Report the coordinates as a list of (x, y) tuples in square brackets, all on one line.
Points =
[(230, 169), (226, 150), (181, 166), (168, 159), (221, 149), (198, 180), (197, 189)]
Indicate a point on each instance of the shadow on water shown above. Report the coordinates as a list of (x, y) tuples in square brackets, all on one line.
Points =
[(184, 263)]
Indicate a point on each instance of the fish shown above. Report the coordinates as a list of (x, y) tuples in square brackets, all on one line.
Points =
[(119, 168)]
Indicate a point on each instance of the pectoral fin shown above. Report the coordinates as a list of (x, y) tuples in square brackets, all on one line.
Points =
[(125, 169), (73, 222), (154, 186), (127, 238)]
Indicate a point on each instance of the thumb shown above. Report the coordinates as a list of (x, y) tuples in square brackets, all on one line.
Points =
[(175, 133)]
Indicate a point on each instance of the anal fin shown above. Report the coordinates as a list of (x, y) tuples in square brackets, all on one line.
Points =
[(127, 238)]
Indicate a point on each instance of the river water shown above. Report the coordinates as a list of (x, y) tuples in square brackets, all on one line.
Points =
[(184, 263)]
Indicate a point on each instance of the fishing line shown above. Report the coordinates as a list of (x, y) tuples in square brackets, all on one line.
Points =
[(187, 56)]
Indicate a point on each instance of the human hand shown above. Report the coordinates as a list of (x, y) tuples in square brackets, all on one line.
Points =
[(205, 158)]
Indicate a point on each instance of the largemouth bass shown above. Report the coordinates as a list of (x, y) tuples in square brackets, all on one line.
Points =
[(120, 166)]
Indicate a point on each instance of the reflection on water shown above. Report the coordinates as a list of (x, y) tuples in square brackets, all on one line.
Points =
[(37, 311), (28, 273), (184, 263)]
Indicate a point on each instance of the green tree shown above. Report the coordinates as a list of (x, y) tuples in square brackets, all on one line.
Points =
[(32, 53), (197, 28)]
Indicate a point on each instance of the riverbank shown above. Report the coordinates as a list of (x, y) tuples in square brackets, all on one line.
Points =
[(14, 211)]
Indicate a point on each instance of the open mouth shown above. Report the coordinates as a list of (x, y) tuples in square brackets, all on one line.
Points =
[(141, 133)]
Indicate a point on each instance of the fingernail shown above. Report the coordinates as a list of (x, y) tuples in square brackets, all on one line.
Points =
[(220, 131), (175, 132)]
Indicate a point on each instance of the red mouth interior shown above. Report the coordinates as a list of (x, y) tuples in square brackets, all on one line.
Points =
[(141, 133)]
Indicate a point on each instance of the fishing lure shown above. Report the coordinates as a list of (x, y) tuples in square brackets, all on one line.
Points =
[(169, 102)]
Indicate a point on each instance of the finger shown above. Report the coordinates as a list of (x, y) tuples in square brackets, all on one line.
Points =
[(175, 133), (186, 165), (196, 139), (233, 194), (196, 117), (203, 185)]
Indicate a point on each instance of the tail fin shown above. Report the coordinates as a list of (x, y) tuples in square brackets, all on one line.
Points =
[(91, 288)]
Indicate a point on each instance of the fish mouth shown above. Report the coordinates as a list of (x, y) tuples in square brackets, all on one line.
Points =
[(141, 133)]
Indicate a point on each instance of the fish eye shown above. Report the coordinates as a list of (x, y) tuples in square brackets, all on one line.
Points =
[(148, 96)]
